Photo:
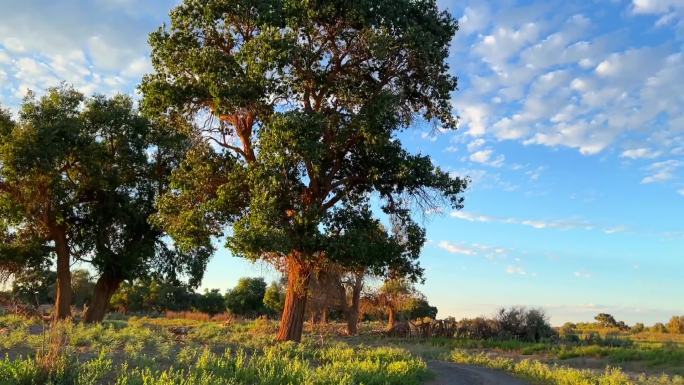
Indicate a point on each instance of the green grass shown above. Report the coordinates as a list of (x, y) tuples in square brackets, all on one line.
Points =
[(143, 351)]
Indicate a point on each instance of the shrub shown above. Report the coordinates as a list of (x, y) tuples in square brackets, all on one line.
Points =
[(676, 325), (523, 324), (659, 327), (638, 328)]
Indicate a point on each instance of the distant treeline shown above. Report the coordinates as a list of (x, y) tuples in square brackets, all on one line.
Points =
[(250, 298)]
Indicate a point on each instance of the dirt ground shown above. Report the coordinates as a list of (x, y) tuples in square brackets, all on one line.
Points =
[(447, 373)]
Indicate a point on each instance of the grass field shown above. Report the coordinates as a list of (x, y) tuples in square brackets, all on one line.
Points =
[(145, 351), (191, 349)]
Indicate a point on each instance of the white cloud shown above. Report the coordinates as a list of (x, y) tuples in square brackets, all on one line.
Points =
[(98, 46), (481, 156), (550, 80), (474, 19), (471, 217), (475, 144), (475, 118), (638, 153), (485, 157), (655, 6), (456, 249), (475, 249)]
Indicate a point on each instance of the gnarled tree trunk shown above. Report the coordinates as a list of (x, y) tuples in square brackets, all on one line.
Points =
[(64, 292), (292, 319), (105, 287), (351, 312)]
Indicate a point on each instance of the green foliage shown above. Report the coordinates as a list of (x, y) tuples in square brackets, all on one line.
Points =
[(211, 302), (420, 308), (523, 324), (34, 285), (247, 297), (155, 295), (274, 298)]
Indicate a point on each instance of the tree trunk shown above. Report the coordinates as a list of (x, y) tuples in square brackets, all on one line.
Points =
[(324, 315), (353, 310), (391, 321), (105, 287), (64, 293), (292, 320)]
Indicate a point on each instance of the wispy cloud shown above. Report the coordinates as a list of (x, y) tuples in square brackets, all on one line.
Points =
[(457, 249), (662, 171), (559, 224), (474, 249), (640, 153), (519, 270), (582, 274), (615, 229)]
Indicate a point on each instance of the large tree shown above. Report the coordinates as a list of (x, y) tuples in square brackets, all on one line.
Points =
[(295, 106)]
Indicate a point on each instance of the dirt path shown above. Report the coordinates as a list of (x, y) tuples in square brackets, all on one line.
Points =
[(447, 373)]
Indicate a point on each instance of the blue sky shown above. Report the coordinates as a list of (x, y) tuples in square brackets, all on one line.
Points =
[(572, 130)]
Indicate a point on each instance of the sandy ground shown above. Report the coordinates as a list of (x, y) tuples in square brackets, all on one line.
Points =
[(447, 373)]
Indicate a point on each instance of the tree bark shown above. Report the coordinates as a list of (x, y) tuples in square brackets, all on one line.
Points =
[(292, 319), (353, 310), (64, 292), (391, 321), (324, 315), (105, 287)]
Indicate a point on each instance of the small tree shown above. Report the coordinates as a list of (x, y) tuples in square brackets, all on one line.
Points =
[(659, 327), (35, 285), (247, 297), (83, 287), (676, 325), (638, 328), (274, 298), (394, 296), (606, 320), (419, 307), (211, 302)]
